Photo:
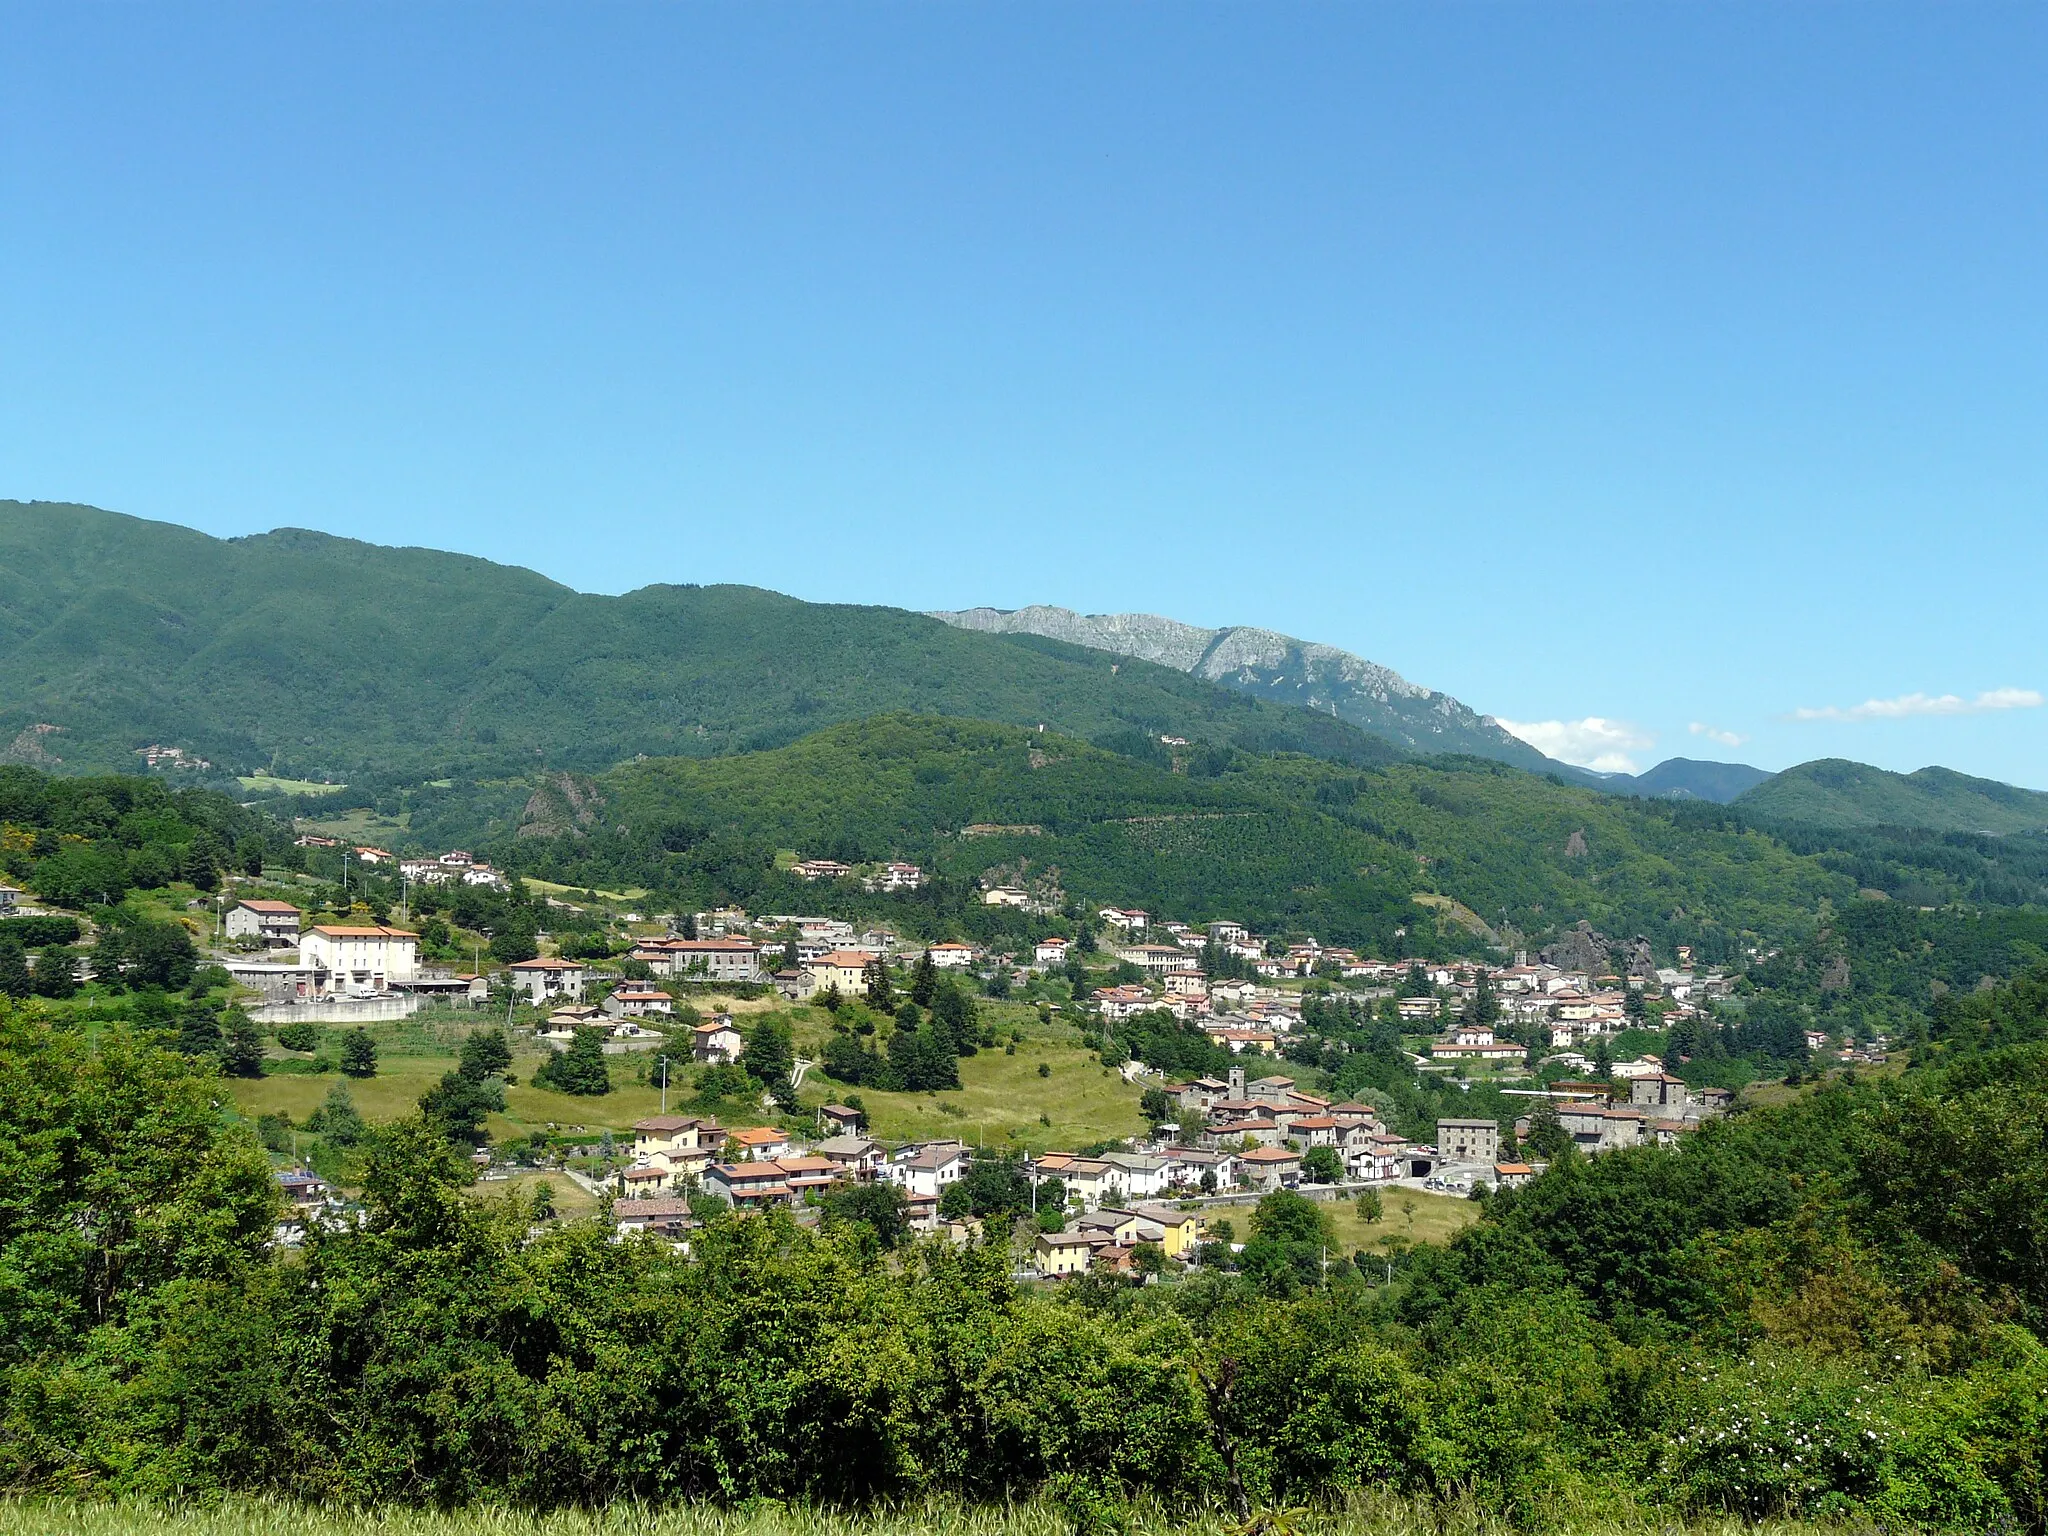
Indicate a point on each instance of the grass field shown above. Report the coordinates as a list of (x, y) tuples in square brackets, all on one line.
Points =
[(571, 1199), (266, 784), (1001, 1097), (1409, 1214), (1377, 1515), (999, 1103)]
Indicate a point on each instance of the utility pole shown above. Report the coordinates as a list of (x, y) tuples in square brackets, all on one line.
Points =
[(664, 1085)]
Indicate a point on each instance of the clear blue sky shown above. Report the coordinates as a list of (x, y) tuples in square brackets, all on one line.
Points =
[(1671, 366)]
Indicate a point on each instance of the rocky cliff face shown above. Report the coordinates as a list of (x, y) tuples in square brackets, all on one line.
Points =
[(1278, 667)]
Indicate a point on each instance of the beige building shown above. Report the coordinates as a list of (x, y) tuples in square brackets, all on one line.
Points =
[(357, 961), (1468, 1141)]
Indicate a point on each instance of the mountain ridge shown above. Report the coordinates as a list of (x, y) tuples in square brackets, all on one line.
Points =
[(1838, 793), (1268, 664), (310, 654)]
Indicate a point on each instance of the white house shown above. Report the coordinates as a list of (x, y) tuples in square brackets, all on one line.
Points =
[(273, 922), (357, 961), (716, 1041), (9, 895), (545, 980), (951, 956), (1156, 959), (1139, 1177), (928, 1169), (1052, 951)]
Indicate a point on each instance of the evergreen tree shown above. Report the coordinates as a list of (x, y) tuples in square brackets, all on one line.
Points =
[(954, 1018), (337, 1118), (579, 1070), (924, 982), (1417, 982), (876, 975), (1483, 1007), (770, 1056), (199, 1031), (15, 980), (241, 1049), (358, 1054), (1603, 1058)]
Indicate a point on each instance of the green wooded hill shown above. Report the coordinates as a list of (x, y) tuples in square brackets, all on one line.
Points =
[(317, 656), (1279, 840), (1833, 792)]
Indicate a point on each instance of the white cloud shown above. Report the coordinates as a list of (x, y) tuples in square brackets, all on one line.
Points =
[(1601, 745), (1724, 738), (1909, 705)]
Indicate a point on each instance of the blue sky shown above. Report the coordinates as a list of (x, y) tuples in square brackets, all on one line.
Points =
[(1678, 369)]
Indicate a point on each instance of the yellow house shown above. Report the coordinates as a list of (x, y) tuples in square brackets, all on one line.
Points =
[(1180, 1230), (1063, 1253)]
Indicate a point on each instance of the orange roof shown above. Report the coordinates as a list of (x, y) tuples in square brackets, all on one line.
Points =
[(336, 931), (1271, 1155), (276, 908), (757, 1136), (548, 965)]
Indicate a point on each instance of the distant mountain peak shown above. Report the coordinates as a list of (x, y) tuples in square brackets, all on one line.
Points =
[(1270, 665)]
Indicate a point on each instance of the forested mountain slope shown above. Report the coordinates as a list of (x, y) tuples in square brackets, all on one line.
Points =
[(318, 656), (1833, 792), (1277, 840)]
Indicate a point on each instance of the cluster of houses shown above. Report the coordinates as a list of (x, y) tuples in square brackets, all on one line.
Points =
[(893, 876), (456, 867)]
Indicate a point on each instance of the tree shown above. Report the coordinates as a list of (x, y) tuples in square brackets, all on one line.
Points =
[(458, 1106), (337, 1118), (579, 1070), (514, 945), (158, 955), (1370, 1208), (1290, 1235), (769, 1056), (1547, 1138), (954, 1202), (199, 1031), (56, 972), (1417, 983), (15, 980), (1158, 1106), (241, 1050), (358, 1053), (1322, 1165), (1603, 1058), (955, 1019), (875, 974), (485, 1054), (1483, 1007), (924, 981), (881, 1207)]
